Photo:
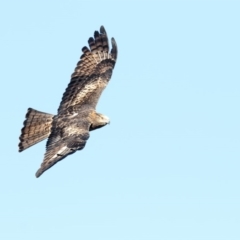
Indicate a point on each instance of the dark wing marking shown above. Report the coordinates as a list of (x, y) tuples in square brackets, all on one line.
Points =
[(92, 72), (66, 138)]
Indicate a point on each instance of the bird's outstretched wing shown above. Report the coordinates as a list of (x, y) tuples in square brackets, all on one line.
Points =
[(64, 140), (92, 72)]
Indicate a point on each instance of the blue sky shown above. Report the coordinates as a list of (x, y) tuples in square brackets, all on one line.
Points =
[(168, 165)]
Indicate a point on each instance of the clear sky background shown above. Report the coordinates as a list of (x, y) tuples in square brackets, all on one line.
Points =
[(167, 168)]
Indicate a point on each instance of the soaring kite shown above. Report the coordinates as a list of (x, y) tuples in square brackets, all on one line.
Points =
[(68, 131)]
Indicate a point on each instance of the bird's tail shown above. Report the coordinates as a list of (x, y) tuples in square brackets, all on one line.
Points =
[(36, 128)]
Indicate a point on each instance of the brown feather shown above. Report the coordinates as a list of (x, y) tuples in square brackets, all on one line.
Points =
[(92, 64), (65, 141), (36, 128)]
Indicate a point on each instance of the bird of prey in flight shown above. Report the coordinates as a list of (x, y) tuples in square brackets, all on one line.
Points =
[(68, 130)]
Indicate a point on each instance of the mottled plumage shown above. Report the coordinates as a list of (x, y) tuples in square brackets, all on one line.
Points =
[(68, 131)]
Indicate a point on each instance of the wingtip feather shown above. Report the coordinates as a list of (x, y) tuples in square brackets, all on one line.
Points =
[(38, 173), (102, 30), (114, 50)]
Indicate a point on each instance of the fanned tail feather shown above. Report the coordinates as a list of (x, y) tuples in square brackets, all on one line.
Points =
[(36, 128)]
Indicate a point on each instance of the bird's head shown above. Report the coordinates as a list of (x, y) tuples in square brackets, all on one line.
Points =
[(99, 120)]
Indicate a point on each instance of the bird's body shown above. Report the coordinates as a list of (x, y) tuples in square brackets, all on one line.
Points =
[(68, 131)]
